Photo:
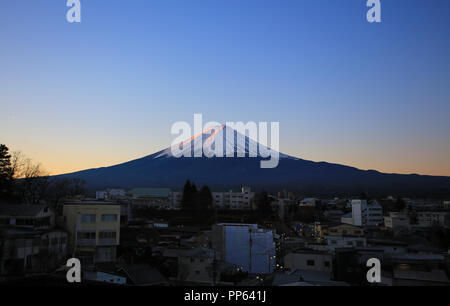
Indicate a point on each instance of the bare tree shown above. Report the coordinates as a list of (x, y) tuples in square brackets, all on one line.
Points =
[(33, 185), (31, 181)]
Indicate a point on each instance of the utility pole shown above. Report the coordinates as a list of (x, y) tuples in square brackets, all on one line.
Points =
[(250, 251)]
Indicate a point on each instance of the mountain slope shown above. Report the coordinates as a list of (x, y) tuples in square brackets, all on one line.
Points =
[(161, 169)]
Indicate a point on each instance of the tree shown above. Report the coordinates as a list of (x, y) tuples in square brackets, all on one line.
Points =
[(193, 199), (399, 204), (363, 196), (205, 199), (63, 188), (187, 199), (31, 182), (262, 202), (6, 172)]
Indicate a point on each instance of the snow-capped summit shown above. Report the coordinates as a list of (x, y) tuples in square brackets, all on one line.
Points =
[(221, 141), (163, 169)]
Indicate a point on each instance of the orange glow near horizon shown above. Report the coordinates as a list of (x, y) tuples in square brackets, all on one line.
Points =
[(73, 161)]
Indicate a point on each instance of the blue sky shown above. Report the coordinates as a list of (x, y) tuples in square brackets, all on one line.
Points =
[(107, 90)]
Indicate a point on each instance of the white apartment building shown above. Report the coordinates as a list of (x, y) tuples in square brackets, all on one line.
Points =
[(234, 200), (365, 214), (223, 200)]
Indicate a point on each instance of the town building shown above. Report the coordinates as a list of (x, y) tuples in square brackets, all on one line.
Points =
[(234, 200), (333, 215), (195, 265), (340, 230), (27, 251), (334, 242), (397, 222), (310, 202), (158, 198), (430, 218), (246, 246), (309, 260), (365, 213), (25, 215), (94, 230), (110, 194)]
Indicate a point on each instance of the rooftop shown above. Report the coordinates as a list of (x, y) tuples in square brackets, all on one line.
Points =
[(22, 210), (91, 203)]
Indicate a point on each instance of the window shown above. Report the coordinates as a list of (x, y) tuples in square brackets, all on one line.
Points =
[(192, 259), (108, 235), (109, 218), (88, 218), (310, 262), (86, 235), (27, 222), (349, 243), (326, 264)]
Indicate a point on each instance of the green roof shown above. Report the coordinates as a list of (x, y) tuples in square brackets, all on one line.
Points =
[(149, 192)]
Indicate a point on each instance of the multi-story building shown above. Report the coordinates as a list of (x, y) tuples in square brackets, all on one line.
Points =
[(28, 242), (234, 200), (29, 216), (246, 246), (24, 250), (430, 218), (110, 194), (397, 222), (365, 213), (94, 229), (164, 198), (159, 198)]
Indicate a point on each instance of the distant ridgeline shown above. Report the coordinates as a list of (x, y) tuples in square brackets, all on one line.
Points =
[(306, 177)]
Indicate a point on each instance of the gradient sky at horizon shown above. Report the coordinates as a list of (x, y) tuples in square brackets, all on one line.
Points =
[(107, 90)]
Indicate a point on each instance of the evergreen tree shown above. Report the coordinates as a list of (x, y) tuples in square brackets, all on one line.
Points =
[(6, 172), (186, 200), (262, 202), (205, 198)]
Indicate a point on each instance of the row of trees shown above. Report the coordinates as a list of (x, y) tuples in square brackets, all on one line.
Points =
[(194, 199), (23, 180), (202, 200)]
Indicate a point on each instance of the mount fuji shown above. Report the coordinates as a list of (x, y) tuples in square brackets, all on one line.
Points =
[(163, 169)]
